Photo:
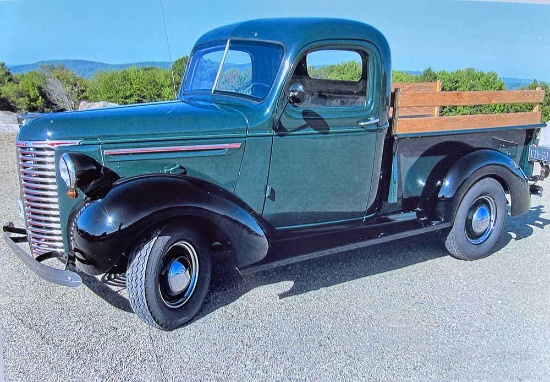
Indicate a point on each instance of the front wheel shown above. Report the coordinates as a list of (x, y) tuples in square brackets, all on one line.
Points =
[(168, 276), (478, 221)]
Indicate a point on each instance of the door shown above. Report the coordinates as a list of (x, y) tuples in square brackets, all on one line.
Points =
[(323, 148)]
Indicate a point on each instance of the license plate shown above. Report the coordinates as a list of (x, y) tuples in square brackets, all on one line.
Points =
[(539, 153)]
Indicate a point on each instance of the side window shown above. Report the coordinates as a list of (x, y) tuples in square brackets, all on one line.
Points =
[(333, 78)]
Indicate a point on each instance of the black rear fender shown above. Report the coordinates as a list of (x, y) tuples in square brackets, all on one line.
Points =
[(441, 197), (105, 228)]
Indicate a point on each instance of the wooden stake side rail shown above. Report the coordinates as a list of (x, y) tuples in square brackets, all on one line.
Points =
[(470, 98), (411, 98), (466, 122)]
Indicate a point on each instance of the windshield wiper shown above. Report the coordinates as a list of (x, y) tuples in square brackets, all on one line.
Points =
[(220, 67)]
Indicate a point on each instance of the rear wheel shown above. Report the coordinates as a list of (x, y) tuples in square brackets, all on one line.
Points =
[(168, 276), (478, 221)]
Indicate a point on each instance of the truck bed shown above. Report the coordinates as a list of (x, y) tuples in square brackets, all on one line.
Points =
[(423, 140)]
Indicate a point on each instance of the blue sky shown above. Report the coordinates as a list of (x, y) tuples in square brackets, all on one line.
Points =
[(507, 36)]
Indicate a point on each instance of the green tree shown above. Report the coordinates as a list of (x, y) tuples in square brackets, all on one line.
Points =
[(346, 71), (178, 68), (13, 98), (33, 85), (403, 76), (5, 74), (428, 75), (470, 79), (132, 85), (234, 80), (22, 92), (6, 88)]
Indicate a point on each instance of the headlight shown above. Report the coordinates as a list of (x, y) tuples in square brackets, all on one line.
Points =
[(79, 171), (66, 170)]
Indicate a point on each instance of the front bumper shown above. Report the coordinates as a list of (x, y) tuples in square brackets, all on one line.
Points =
[(63, 277)]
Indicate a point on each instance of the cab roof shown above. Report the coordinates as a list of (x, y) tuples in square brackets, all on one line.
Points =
[(294, 33)]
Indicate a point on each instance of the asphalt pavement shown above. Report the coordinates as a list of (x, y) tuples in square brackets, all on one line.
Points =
[(403, 310)]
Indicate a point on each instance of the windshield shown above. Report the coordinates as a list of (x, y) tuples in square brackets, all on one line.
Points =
[(239, 68)]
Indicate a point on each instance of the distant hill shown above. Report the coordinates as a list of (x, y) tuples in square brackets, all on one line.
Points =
[(85, 68), (516, 83)]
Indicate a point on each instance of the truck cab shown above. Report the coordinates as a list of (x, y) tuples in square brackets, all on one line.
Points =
[(332, 131)]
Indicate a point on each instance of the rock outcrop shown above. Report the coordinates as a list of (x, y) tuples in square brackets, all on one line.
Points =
[(8, 122), (85, 105)]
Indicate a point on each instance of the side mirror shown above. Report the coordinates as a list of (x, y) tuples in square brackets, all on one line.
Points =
[(296, 94)]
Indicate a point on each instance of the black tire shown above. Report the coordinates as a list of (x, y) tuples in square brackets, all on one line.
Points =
[(478, 221), (168, 276)]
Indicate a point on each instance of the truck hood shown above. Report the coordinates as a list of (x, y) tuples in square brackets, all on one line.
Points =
[(154, 120)]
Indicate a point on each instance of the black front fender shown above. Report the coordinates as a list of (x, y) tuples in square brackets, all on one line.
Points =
[(105, 228)]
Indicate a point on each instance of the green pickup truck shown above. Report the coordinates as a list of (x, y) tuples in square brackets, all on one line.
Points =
[(266, 156)]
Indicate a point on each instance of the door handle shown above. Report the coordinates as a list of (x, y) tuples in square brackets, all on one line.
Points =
[(369, 121)]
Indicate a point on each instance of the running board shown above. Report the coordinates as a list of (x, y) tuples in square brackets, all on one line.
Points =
[(290, 251)]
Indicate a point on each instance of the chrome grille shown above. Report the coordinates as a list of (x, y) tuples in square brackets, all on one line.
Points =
[(39, 192)]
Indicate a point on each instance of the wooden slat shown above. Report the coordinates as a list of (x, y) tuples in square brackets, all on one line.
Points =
[(536, 109), (418, 110), (438, 89), (464, 122), (415, 99), (415, 86)]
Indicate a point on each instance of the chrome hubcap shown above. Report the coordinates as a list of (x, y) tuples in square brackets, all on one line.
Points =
[(179, 277), (179, 274), (481, 219)]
